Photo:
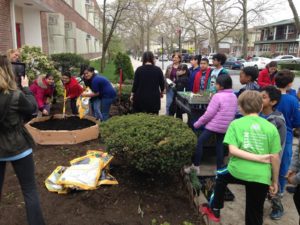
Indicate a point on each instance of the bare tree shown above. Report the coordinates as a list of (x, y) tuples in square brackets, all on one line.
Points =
[(296, 17), (112, 15)]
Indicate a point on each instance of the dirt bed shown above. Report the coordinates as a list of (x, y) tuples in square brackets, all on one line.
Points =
[(163, 198)]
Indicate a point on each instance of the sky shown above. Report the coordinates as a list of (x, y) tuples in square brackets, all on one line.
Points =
[(282, 11)]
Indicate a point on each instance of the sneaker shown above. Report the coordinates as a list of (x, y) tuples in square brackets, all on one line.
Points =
[(212, 214), (277, 209)]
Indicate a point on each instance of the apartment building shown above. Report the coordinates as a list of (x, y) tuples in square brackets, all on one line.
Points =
[(279, 38), (55, 26)]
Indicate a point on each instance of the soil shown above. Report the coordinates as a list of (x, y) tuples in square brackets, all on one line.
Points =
[(68, 123)]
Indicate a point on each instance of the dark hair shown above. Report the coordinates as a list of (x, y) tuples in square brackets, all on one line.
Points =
[(251, 71), (197, 58), (220, 58), (205, 60), (83, 68), (49, 75), (273, 92), (148, 57), (90, 69), (67, 74), (250, 101), (272, 64), (283, 78), (224, 81), (178, 54)]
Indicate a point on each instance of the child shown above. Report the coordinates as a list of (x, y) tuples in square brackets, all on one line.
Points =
[(266, 77), (288, 106), (219, 114), (202, 78), (248, 76), (253, 144), (195, 62), (218, 62), (271, 97), (73, 90), (293, 177)]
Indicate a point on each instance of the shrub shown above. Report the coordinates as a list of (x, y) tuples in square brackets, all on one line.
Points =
[(290, 66), (149, 143), (65, 61), (123, 61), (38, 63)]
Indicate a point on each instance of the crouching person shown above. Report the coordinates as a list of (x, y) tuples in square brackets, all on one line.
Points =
[(254, 146)]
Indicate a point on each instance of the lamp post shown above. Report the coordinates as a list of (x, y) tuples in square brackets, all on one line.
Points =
[(178, 31), (162, 53)]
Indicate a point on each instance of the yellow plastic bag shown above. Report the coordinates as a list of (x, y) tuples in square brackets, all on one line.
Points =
[(52, 181), (83, 105)]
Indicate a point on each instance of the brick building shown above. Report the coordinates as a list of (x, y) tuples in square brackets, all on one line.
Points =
[(55, 26)]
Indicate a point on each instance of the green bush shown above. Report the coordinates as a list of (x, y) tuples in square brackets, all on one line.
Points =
[(123, 61), (39, 63), (290, 66), (65, 61), (149, 143)]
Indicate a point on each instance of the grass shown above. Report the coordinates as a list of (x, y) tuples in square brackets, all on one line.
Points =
[(109, 71)]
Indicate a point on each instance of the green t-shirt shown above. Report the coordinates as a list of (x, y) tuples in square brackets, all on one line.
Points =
[(255, 135)]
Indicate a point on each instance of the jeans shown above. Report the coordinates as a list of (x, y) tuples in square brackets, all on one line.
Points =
[(169, 100), (96, 107), (73, 106), (105, 107), (204, 136), (297, 198), (284, 165), (24, 169), (255, 196)]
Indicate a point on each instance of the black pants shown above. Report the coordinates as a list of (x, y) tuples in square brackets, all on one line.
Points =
[(255, 196), (297, 198), (73, 106), (24, 169)]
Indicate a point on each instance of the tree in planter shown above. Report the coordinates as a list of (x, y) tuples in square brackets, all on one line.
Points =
[(38, 63), (149, 143), (122, 61)]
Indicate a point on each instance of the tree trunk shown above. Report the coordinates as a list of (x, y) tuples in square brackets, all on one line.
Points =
[(148, 37), (102, 66), (296, 17), (245, 29), (214, 31), (142, 40)]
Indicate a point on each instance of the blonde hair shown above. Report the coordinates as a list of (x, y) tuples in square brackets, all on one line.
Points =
[(11, 51), (7, 78), (250, 102)]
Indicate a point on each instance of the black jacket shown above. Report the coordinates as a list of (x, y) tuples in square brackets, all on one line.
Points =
[(14, 137)]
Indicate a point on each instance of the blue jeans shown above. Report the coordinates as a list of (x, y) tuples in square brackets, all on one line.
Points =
[(105, 107), (204, 136), (284, 165), (96, 107), (169, 100)]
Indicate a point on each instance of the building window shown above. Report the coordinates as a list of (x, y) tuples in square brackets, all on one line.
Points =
[(266, 48), (293, 48), (279, 47)]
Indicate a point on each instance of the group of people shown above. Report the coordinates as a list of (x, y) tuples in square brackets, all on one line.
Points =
[(256, 123)]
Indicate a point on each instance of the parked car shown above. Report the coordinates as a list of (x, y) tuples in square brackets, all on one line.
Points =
[(258, 62), (234, 63), (210, 58), (287, 59), (186, 58)]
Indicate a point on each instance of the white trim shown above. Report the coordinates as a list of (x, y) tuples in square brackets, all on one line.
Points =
[(13, 23)]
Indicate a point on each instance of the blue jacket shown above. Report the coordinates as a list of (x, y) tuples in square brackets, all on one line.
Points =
[(101, 85), (193, 73)]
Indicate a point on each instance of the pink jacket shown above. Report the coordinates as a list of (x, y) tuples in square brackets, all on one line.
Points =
[(220, 112)]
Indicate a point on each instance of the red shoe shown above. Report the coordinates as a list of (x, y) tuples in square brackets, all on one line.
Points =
[(213, 215)]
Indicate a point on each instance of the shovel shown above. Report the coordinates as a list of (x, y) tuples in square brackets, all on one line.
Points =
[(65, 100)]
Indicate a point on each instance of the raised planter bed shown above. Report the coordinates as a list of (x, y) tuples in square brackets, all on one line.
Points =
[(56, 130)]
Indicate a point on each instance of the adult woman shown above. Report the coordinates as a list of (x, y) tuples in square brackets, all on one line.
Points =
[(148, 86), (102, 96), (16, 143), (266, 77), (72, 88), (171, 74), (43, 89)]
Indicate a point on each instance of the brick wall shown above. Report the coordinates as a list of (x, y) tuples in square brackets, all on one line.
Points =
[(5, 26)]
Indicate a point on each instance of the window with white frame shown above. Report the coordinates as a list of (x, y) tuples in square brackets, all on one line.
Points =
[(266, 47), (279, 47)]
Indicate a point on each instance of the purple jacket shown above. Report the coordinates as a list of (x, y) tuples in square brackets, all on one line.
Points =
[(220, 112)]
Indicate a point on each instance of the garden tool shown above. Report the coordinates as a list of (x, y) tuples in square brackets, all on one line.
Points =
[(65, 100)]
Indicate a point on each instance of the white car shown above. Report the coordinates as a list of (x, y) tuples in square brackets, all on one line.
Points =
[(287, 59), (258, 62)]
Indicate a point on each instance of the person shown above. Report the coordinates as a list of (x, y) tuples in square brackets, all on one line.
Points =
[(148, 86), (271, 97), (202, 78), (218, 61), (220, 112), (293, 177), (13, 55), (288, 106), (266, 77), (102, 96), (43, 89), (254, 146), (16, 143), (171, 74), (73, 90), (248, 77), (194, 69)]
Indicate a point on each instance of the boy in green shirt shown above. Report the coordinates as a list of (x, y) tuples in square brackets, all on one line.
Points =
[(254, 146)]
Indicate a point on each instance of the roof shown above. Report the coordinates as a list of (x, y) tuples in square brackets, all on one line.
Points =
[(278, 23)]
